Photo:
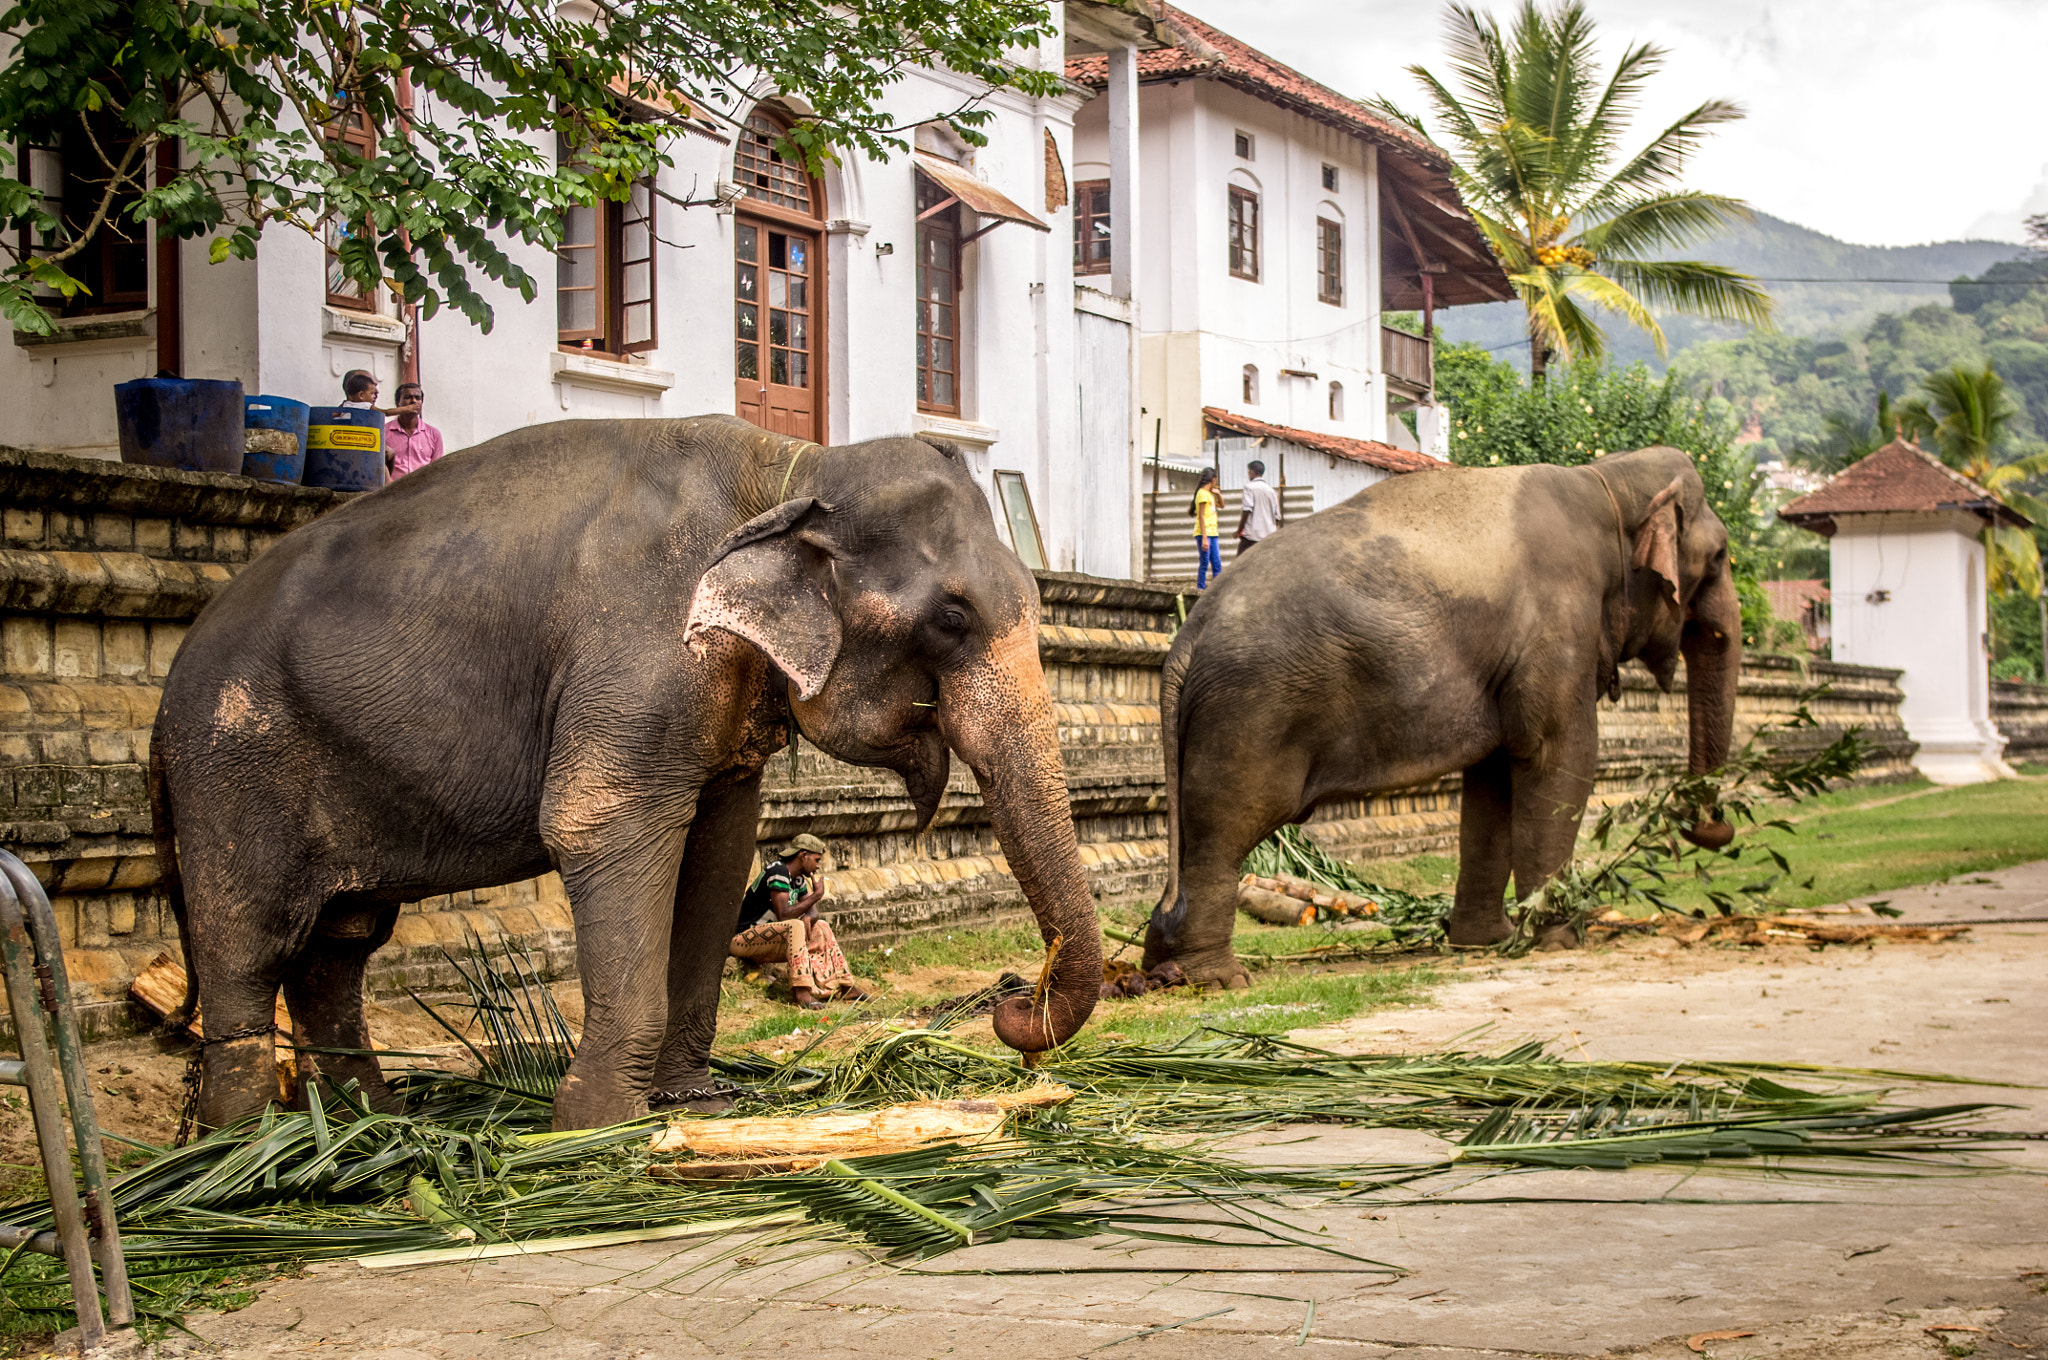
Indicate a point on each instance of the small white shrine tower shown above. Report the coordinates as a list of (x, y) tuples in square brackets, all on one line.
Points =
[(1906, 559)]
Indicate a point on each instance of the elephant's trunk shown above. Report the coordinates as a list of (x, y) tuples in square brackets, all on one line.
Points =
[(1712, 646), (998, 715)]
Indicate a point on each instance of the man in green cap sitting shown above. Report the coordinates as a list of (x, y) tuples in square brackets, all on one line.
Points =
[(778, 923)]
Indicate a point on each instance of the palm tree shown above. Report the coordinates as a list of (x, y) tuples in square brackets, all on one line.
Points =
[(1536, 142), (1848, 439), (1969, 415)]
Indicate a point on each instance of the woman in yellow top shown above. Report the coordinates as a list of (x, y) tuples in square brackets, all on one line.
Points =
[(1208, 553)]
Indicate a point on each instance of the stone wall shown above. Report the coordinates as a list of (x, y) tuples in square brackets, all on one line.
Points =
[(2020, 712), (104, 566)]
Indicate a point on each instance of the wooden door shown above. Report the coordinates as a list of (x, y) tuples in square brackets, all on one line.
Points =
[(777, 296)]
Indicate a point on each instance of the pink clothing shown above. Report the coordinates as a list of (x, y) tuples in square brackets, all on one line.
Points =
[(409, 451)]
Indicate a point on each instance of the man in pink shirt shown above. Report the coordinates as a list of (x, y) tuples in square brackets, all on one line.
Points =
[(409, 442)]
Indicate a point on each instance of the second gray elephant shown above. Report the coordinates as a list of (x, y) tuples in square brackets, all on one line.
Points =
[(1459, 619)]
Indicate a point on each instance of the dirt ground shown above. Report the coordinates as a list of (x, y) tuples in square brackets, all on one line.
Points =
[(1606, 1264)]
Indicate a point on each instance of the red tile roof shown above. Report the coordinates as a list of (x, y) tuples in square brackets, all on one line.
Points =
[(1899, 478), (1368, 451), (1207, 51), (1789, 599)]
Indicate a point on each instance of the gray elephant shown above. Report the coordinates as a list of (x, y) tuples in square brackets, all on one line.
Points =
[(574, 648), (1459, 619)]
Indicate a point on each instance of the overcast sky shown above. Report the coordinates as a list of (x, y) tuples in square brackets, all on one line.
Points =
[(1885, 122)]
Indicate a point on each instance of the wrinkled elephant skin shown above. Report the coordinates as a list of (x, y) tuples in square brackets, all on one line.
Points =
[(575, 648), (1459, 620)]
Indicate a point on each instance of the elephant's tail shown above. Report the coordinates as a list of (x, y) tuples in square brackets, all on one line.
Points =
[(1173, 907), (169, 881)]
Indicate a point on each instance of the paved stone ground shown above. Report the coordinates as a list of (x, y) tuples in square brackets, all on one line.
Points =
[(1824, 1271)]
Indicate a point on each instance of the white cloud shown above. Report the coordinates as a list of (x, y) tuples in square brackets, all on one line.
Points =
[(1879, 121)]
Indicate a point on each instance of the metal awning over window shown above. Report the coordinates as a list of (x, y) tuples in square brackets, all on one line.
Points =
[(962, 187)]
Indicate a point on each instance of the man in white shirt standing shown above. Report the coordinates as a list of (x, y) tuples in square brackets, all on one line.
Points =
[(1261, 518)]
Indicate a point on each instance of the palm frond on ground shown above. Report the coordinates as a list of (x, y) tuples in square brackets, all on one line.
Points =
[(1536, 141)]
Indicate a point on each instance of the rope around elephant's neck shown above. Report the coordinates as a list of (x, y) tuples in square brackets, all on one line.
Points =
[(790, 472)]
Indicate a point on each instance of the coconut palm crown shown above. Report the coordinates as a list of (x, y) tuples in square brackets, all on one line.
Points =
[(1536, 144), (1970, 417)]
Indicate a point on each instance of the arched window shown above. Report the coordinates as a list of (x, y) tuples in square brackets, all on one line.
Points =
[(1251, 384), (778, 284), (1336, 401)]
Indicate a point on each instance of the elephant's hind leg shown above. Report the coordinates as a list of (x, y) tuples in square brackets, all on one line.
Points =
[(1227, 806), (237, 964), (324, 990), (1549, 804), (1485, 837)]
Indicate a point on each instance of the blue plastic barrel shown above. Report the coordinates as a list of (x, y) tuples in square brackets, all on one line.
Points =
[(274, 438), (344, 448), (189, 423)]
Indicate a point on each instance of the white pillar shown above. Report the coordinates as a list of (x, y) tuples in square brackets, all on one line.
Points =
[(1123, 258)]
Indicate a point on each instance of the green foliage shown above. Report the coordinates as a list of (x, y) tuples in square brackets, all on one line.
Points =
[(1413, 919), (248, 88), (1642, 853), (2016, 636), (1580, 227)]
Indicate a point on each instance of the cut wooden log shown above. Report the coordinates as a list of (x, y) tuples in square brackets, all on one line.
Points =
[(859, 1134), (1328, 901), (1273, 908)]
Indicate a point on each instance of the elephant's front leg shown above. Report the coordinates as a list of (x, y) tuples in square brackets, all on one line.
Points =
[(1550, 795), (1485, 835), (621, 867), (708, 891)]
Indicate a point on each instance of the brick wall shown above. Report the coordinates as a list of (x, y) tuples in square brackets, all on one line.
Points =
[(102, 568)]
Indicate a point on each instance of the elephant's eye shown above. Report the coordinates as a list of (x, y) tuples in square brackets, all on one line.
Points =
[(953, 620)]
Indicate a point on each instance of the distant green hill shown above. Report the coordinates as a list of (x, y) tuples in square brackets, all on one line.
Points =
[(1776, 250)]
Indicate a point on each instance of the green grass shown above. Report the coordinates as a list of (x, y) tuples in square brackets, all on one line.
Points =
[(1280, 999), (1874, 840)]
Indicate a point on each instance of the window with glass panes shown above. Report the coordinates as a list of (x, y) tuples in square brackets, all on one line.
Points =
[(772, 316), (1244, 234), (1091, 227), (938, 300), (1329, 261), (604, 272), (764, 172), (352, 129)]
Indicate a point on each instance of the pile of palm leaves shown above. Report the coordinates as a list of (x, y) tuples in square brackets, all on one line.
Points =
[(1143, 1151)]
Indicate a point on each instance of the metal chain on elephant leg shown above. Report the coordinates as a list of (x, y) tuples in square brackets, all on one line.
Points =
[(195, 1067)]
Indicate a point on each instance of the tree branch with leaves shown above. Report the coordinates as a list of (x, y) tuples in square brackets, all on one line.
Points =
[(1536, 142), (464, 101)]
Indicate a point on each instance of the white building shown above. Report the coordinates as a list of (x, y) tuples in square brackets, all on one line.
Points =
[(1906, 580), (796, 305), (1277, 221)]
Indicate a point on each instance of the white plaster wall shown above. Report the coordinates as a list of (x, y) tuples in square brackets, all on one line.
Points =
[(1201, 325), (265, 322), (1932, 626)]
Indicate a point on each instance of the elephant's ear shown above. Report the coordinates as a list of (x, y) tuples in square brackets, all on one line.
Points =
[(1656, 542), (770, 582)]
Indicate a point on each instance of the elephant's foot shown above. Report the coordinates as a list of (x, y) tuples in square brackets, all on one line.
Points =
[(1478, 930), (1562, 935), (581, 1103), (1215, 972), (238, 1078)]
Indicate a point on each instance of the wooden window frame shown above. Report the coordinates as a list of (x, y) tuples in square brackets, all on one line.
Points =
[(940, 220), (1244, 145), (350, 128), (1013, 521), (1244, 222), (1329, 262), (1250, 389), (1087, 195), (623, 241), (1330, 179), (101, 262)]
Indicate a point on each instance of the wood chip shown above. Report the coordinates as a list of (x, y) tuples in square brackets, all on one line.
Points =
[(858, 1134), (1698, 1344)]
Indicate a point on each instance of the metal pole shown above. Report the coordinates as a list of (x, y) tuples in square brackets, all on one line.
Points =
[(85, 1129), (1152, 509), (29, 1004)]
